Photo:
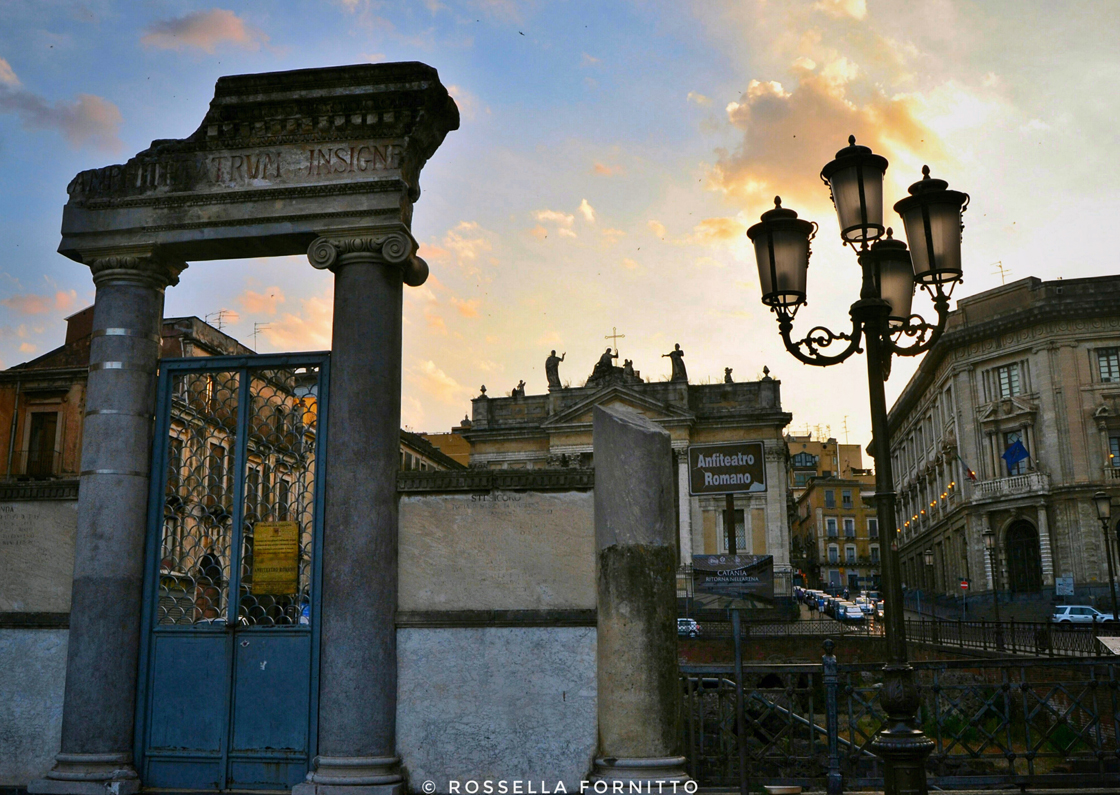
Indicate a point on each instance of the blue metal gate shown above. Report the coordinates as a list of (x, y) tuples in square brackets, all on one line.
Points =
[(227, 697)]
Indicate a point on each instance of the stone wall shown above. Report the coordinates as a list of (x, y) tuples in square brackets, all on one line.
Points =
[(37, 526), (496, 626), (496, 629), (34, 666)]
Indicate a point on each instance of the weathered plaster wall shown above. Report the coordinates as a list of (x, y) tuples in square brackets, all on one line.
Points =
[(37, 555), (496, 703), (497, 551), (33, 662)]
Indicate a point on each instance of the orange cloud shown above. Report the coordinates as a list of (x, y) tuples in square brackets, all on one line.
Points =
[(89, 119), (713, 231), (61, 301), (658, 229), (7, 75), (432, 382), (604, 170), (261, 303), (309, 330), (466, 308), (203, 30), (467, 240), (785, 130)]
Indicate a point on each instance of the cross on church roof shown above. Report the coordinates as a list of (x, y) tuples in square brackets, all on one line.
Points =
[(614, 335)]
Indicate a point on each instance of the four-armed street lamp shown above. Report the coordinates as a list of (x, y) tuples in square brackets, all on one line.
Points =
[(880, 319)]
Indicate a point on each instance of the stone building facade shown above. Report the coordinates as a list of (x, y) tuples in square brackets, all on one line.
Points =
[(1030, 363), (553, 431)]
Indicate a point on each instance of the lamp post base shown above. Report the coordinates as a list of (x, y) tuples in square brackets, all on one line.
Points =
[(902, 746)]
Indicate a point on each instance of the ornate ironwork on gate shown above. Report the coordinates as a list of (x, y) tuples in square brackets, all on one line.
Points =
[(1037, 722), (235, 510)]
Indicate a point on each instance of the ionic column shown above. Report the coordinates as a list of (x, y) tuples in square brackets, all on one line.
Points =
[(638, 685), (99, 710), (358, 649)]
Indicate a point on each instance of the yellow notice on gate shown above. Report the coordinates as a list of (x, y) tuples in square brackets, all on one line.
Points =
[(275, 558)]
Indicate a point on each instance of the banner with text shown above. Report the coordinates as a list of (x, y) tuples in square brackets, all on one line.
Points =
[(734, 575), (726, 468)]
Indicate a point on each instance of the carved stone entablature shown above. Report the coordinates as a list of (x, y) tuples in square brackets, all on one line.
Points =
[(138, 267), (1007, 411), (389, 245), (272, 164)]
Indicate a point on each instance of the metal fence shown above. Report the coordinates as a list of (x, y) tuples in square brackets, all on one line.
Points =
[(1003, 722), (1016, 638)]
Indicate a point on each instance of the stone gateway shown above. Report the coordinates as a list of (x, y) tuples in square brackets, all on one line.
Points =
[(322, 161)]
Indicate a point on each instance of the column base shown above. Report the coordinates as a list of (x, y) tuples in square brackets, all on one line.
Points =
[(904, 753), (353, 775), (88, 774), (645, 769)]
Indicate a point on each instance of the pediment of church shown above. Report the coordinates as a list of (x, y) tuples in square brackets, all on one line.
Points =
[(616, 396)]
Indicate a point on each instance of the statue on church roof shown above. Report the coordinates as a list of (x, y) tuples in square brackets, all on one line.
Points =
[(605, 365), (727, 376), (628, 368), (519, 390), (676, 356), (552, 369)]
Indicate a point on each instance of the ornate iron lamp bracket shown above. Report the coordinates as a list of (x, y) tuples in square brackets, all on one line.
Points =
[(808, 349), (924, 334)]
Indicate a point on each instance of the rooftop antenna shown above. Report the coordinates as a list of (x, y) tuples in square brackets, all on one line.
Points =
[(257, 329), (845, 429), (221, 316), (1003, 272)]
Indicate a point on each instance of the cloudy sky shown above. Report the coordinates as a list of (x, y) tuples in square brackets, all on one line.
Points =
[(610, 158)]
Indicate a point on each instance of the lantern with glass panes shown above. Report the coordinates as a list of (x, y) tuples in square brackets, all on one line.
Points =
[(882, 325)]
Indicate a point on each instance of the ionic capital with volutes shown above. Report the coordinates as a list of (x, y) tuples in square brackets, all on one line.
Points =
[(391, 246), (141, 267)]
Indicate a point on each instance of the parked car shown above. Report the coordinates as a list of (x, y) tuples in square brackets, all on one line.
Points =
[(1080, 614), (850, 612), (688, 627)]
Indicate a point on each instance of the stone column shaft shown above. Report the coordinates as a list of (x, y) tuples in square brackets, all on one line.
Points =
[(638, 676), (358, 651), (1045, 553), (99, 709)]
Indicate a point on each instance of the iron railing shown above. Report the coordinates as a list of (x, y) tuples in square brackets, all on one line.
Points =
[(1016, 638), (1017, 722)]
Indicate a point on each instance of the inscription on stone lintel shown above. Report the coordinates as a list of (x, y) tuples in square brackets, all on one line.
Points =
[(236, 169)]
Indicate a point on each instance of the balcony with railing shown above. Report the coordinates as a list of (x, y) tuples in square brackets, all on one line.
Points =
[(1014, 486), (36, 464)]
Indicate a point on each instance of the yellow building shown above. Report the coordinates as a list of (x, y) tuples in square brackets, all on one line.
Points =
[(835, 533)]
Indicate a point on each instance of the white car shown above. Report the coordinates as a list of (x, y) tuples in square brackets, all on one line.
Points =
[(1080, 614)]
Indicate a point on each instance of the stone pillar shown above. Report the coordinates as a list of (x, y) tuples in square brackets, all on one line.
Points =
[(358, 650), (638, 676), (1045, 554), (99, 710)]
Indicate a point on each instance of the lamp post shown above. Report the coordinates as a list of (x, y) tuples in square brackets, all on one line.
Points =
[(881, 319), (1103, 503), (990, 545)]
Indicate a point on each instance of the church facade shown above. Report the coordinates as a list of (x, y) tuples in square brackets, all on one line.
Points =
[(553, 431)]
